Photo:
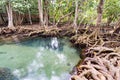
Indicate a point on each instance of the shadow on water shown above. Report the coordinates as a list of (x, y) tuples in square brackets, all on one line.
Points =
[(48, 43)]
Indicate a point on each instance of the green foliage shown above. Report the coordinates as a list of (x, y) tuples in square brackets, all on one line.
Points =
[(88, 11), (59, 8), (20, 6), (112, 9)]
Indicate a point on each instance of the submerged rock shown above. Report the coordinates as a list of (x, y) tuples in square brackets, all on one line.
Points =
[(5, 74)]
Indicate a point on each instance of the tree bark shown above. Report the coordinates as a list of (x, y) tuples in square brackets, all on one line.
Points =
[(40, 9), (18, 18), (30, 18), (46, 16), (10, 14), (2, 18), (76, 13), (99, 12)]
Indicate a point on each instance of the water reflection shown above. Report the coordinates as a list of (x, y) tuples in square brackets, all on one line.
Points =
[(48, 43), (54, 43), (40, 59)]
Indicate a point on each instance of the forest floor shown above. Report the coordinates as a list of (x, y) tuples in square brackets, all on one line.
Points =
[(101, 47)]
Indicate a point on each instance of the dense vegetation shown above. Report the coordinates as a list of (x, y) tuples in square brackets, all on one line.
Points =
[(55, 12)]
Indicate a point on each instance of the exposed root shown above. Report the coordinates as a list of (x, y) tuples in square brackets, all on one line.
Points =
[(97, 67), (91, 40)]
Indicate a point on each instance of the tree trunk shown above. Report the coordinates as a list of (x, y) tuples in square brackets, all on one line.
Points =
[(99, 12), (3, 21), (10, 14), (18, 18), (46, 16), (76, 13), (30, 18), (40, 8)]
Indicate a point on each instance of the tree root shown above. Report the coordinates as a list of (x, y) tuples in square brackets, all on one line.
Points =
[(91, 40), (99, 67)]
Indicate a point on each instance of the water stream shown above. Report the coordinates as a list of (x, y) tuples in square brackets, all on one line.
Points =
[(39, 59)]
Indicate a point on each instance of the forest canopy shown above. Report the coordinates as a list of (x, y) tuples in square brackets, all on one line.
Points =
[(55, 12)]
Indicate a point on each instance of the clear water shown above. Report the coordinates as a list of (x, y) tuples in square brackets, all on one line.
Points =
[(39, 59)]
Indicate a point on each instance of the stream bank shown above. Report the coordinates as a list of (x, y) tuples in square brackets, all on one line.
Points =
[(98, 48), (39, 58)]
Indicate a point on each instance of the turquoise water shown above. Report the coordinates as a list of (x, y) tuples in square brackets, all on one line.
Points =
[(39, 59)]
